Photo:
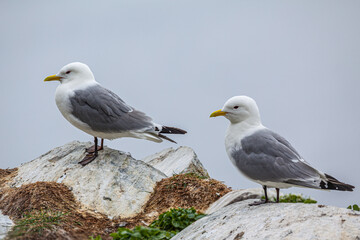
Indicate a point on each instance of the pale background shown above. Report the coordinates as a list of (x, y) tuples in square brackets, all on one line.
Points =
[(178, 61)]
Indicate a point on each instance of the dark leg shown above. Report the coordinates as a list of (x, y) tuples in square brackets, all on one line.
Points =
[(277, 194), (92, 148), (261, 201), (96, 145), (90, 156), (265, 191)]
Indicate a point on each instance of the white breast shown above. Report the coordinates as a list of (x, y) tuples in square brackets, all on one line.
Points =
[(235, 133), (62, 99)]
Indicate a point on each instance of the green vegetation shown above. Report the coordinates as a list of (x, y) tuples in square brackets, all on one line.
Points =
[(96, 238), (176, 219), (140, 233), (35, 222), (165, 227), (354, 207), (293, 198)]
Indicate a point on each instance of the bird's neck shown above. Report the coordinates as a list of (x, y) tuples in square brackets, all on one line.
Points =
[(237, 131), (78, 85), (245, 126)]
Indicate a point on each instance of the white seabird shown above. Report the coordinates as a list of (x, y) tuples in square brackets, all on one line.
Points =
[(101, 113), (264, 156)]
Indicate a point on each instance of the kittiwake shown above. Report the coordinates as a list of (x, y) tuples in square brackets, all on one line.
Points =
[(264, 156), (100, 112)]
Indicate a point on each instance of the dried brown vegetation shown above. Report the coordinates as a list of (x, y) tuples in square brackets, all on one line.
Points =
[(6, 175), (185, 190)]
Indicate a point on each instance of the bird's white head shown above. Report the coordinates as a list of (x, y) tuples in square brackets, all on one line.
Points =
[(75, 73), (238, 109)]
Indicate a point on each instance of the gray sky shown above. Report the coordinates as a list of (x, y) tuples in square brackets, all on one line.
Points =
[(178, 61)]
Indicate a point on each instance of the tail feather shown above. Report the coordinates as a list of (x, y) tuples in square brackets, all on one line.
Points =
[(334, 184), (168, 130), (172, 130)]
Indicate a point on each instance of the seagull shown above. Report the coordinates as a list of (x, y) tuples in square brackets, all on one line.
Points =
[(264, 156), (100, 112)]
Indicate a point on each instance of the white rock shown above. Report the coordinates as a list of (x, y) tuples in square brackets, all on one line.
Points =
[(275, 221), (239, 195), (181, 160), (114, 183), (5, 225)]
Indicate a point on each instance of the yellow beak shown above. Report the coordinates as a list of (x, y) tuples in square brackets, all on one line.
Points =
[(52, 78), (218, 113)]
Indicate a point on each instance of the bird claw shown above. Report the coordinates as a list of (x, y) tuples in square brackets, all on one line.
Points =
[(92, 149), (88, 159), (256, 203)]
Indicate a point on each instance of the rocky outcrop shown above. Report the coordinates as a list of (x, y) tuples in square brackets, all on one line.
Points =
[(275, 221), (5, 225), (237, 196), (114, 190), (177, 161), (115, 184)]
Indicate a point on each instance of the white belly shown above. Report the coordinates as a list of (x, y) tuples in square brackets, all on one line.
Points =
[(274, 184)]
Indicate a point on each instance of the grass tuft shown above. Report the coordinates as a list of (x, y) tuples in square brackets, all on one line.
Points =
[(293, 198), (35, 222)]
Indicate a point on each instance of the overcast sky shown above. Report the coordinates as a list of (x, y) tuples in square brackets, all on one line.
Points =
[(178, 61)]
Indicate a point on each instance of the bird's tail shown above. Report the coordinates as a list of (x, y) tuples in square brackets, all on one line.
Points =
[(334, 184), (170, 130)]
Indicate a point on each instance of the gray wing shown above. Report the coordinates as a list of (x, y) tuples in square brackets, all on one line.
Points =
[(266, 156), (104, 111)]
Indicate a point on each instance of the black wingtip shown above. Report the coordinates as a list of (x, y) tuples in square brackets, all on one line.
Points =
[(172, 130), (334, 184), (165, 137)]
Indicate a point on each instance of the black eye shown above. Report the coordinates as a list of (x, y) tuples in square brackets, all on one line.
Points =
[(236, 107), (68, 72)]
